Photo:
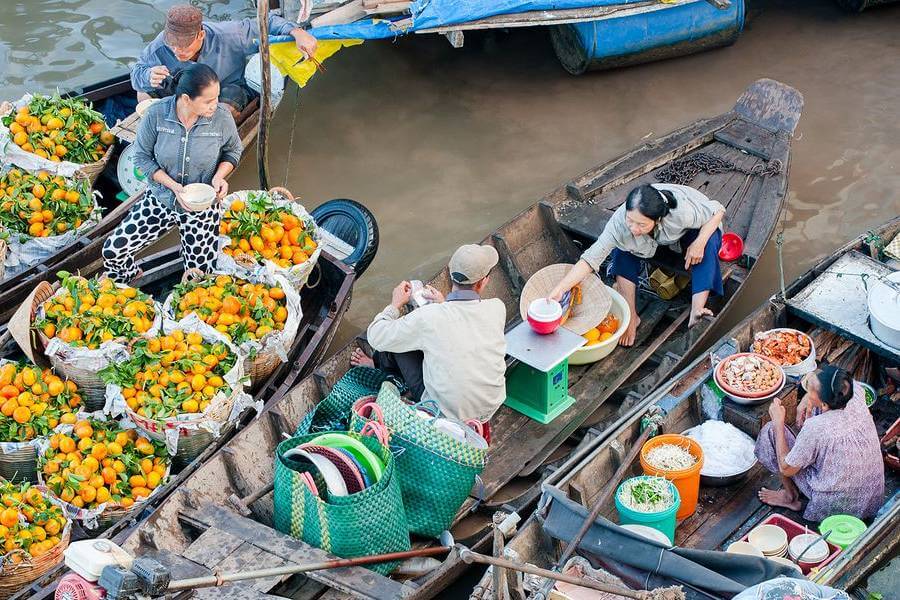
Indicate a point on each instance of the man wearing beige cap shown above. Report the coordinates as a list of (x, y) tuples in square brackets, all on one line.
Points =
[(452, 350), (224, 46)]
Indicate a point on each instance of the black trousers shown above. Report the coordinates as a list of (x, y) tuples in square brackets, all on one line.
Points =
[(406, 366)]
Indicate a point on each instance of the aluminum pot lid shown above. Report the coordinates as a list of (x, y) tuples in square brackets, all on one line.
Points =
[(884, 302)]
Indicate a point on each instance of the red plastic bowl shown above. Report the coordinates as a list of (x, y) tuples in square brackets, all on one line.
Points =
[(732, 247), (544, 316)]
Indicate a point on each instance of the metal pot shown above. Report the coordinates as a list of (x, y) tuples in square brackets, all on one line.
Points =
[(884, 310)]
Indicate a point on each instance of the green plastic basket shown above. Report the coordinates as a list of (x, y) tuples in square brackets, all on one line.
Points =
[(372, 521), (436, 470)]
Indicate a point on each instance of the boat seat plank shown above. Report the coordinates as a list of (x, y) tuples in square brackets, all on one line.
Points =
[(749, 137), (355, 580), (837, 299), (212, 547)]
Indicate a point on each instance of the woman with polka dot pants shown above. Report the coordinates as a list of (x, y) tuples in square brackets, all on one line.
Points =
[(185, 138)]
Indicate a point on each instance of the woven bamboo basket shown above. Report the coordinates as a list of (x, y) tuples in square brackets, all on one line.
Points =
[(257, 368), (191, 441), (91, 387), (298, 275), (15, 577), (92, 171), (19, 465)]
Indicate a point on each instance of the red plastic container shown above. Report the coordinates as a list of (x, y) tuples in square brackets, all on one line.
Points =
[(732, 247), (544, 315), (793, 529)]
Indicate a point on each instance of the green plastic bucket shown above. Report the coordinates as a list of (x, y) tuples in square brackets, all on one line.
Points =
[(663, 521), (844, 529)]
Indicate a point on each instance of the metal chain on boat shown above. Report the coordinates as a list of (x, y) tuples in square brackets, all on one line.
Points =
[(682, 172)]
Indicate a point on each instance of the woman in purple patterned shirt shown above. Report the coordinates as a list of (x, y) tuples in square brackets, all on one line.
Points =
[(835, 459)]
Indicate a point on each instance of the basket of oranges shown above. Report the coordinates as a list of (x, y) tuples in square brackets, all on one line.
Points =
[(86, 324), (33, 402), (260, 317), (34, 532), (102, 470), (268, 230), (179, 387), (40, 214), (61, 135)]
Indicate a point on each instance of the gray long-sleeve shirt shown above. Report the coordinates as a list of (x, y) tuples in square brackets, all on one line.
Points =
[(186, 155), (225, 49), (693, 211)]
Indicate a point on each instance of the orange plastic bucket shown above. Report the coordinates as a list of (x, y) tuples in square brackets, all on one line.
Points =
[(686, 480)]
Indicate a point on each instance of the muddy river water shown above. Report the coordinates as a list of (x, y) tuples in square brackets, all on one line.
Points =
[(445, 144)]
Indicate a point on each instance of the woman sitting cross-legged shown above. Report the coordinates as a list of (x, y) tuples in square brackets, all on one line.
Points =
[(835, 459)]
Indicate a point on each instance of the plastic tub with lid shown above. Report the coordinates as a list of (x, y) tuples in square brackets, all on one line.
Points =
[(89, 557), (844, 529), (884, 310)]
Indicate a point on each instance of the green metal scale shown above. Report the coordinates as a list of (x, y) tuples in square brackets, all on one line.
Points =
[(538, 385)]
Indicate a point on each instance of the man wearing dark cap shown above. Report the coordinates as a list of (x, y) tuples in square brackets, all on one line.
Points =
[(453, 350), (223, 46)]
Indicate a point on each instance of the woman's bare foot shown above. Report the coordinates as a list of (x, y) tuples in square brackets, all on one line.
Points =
[(360, 359), (627, 338), (783, 498), (699, 314)]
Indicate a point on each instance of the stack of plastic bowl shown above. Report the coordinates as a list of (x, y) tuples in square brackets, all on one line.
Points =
[(745, 548), (771, 540)]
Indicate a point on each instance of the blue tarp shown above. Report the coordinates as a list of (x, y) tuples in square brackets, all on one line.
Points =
[(427, 14)]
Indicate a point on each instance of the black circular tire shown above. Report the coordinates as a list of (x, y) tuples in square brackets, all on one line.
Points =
[(355, 224)]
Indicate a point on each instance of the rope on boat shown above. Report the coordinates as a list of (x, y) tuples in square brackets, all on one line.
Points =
[(290, 152)]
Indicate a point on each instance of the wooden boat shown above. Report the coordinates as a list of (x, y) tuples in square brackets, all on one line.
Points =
[(726, 514), (619, 39), (546, 233)]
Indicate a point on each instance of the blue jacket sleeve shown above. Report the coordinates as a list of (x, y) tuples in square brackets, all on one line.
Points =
[(140, 72), (248, 31), (145, 143), (231, 141)]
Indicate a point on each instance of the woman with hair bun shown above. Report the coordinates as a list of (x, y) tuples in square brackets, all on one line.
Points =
[(834, 460), (186, 138), (654, 215)]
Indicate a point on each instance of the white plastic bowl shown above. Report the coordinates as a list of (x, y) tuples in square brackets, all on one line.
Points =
[(744, 548), (143, 105), (594, 352), (198, 196)]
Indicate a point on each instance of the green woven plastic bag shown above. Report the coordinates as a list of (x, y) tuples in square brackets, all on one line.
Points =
[(372, 521), (333, 411), (436, 471)]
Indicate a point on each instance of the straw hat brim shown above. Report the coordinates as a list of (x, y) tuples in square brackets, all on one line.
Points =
[(595, 299)]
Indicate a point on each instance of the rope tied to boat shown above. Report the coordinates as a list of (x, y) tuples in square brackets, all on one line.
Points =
[(683, 171)]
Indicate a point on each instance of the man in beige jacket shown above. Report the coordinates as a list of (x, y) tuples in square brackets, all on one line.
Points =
[(453, 350)]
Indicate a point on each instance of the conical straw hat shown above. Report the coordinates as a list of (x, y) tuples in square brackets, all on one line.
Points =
[(595, 299)]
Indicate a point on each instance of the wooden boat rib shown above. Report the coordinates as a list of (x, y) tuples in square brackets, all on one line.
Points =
[(188, 527), (724, 514)]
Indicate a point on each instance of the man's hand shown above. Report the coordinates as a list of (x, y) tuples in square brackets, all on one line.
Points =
[(776, 412), (400, 295), (157, 75), (694, 254), (306, 43), (431, 293), (220, 185)]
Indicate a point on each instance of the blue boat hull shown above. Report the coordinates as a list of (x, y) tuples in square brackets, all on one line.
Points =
[(664, 33)]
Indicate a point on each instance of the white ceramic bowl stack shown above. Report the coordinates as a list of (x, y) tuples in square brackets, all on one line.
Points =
[(771, 540)]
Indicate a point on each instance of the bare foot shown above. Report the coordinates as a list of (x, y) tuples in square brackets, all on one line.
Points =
[(696, 316), (782, 498), (627, 338), (360, 359)]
